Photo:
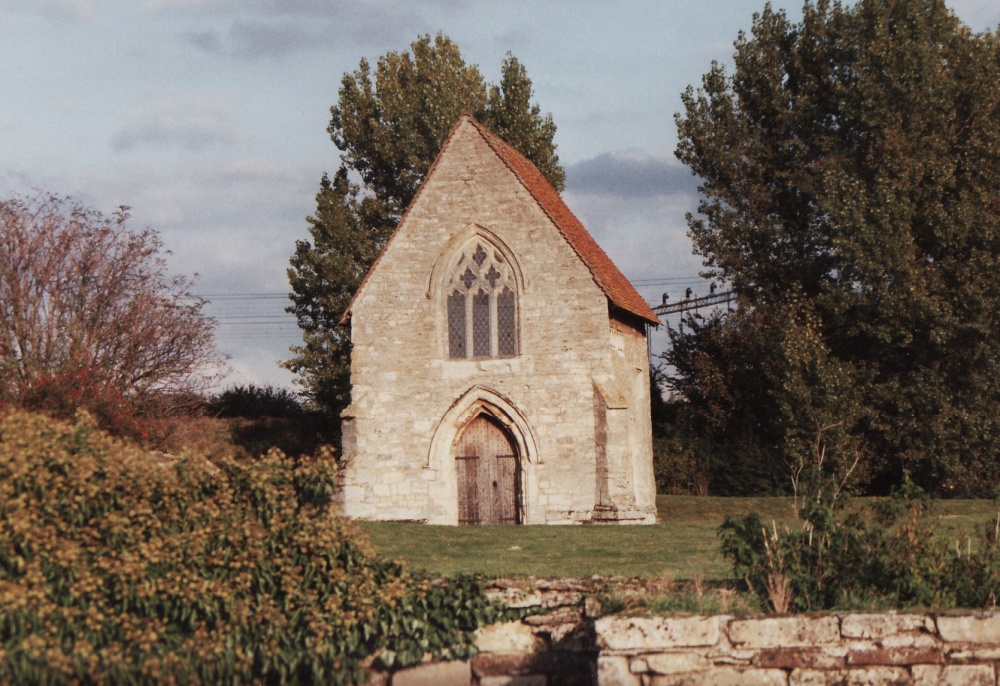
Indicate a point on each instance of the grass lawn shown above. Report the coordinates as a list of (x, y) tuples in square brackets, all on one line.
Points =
[(684, 545)]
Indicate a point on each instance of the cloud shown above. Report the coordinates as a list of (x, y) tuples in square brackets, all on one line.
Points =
[(258, 39), (60, 10), (239, 6), (276, 28), (176, 127), (343, 10), (629, 175)]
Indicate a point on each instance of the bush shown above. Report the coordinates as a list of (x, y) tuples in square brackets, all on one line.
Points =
[(686, 462), (253, 402), (60, 395), (679, 467), (116, 567), (90, 317), (887, 554)]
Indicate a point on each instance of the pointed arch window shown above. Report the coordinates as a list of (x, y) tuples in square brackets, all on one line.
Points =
[(482, 305)]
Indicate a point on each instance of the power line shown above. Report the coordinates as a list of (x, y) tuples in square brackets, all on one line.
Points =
[(695, 303), (669, 281), (237, 296), (260, 316)]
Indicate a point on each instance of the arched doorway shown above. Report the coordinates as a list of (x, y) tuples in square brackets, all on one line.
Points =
[(489, 475)]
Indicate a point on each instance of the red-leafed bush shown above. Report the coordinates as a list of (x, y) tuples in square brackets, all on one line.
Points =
[(89, 316), (62, 394)]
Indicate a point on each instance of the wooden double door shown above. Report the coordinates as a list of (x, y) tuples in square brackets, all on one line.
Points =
[(489, 479)]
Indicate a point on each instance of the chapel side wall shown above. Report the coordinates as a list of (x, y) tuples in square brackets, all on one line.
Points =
[(634, 380), (403, 381), (630, 475)]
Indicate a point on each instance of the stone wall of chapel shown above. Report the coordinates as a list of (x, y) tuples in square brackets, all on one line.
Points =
[(404, 382), (631, 371)]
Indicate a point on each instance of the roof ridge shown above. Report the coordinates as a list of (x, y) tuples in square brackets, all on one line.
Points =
[(616, 287), (605, 273)]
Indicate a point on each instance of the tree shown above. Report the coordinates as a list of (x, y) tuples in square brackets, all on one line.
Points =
[(89, 316), (850, 160), (389, 126)]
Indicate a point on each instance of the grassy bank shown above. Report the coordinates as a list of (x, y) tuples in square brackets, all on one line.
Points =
[(683, 545)]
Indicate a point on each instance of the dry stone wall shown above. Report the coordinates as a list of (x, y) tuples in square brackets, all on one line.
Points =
[(567, 642), (816, 650)]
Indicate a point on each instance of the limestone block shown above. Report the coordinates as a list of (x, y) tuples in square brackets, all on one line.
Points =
[(554, 662), (507, 637), (650, 633), (954, 675), (673, 663), (911, 641), (520, 680), (456, 673), (724, 676), (562, 615), (797, 658), (614, 671), (974, 655), (561, 598), (783, 632), (393, 477), (638, 666), (864, 676), (592, 607), (877, 626), (880, 655), (516, 598), (582, 586), (969, 629), (354, 494)]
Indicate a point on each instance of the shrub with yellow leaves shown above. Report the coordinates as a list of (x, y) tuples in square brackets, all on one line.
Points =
[(115, 567)]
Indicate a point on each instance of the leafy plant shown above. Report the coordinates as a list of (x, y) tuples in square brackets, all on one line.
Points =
[(119, 567), (887, 554)]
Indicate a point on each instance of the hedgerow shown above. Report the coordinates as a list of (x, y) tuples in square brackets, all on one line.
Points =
[(116, 567)]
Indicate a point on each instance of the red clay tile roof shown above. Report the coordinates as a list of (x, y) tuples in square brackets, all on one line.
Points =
[(614, 284), (606, 275)]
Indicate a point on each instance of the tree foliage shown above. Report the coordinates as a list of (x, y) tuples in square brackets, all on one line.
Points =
[(89, 315), (389, 124), (850, 171)]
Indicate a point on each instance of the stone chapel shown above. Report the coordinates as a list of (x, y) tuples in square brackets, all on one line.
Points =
[(500, 371)]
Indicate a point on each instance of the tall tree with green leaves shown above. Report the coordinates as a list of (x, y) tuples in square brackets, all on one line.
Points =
[(851, 161), (389, 124)]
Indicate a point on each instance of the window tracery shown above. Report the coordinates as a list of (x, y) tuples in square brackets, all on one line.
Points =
[(482, 305)]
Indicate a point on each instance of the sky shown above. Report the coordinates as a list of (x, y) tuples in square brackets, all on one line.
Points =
[(208, 118)]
